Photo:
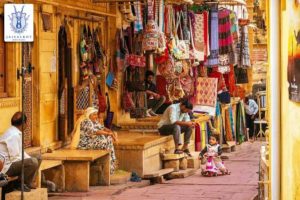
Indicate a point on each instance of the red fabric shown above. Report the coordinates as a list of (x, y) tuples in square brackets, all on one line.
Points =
[(197, 137), (219, 76), (230, 80), (206, 42), (161, 85)]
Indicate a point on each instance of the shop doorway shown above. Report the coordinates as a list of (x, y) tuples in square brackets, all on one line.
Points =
[(65, 88)]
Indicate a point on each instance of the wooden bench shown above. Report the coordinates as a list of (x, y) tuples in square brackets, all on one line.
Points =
[(77, 167)]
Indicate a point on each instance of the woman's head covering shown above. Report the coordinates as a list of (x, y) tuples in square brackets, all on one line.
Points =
[(76, 131)]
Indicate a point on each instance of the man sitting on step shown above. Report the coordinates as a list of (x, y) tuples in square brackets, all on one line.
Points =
[(11, 149), (176, 120)]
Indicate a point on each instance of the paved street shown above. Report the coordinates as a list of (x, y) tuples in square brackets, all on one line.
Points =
[(240, 185)]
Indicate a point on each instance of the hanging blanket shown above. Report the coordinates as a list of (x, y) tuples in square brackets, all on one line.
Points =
[(213, 58), (198, 137), (226, 54)]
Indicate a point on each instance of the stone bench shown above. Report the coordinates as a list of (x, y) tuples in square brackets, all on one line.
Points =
[(77, 166), (53, 171)]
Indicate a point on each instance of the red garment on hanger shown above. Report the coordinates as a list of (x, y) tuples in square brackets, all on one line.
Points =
[(219, 76), (198, 137), (230, 80)]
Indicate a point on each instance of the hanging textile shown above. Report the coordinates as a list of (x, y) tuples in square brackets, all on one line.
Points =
[(200, 24), (226, 54), (138, 23), (221, 83), (228, 127), (213, 58), (230, 80), (204, 139), (232, 123), (243, 48), (235, 35), (207, 91), (241, 129), (241, 75), (198, 137)]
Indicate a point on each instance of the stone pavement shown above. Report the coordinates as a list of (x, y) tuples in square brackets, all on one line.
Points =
[(240, 185)]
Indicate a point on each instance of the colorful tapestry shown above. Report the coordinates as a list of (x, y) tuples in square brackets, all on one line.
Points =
[(207, 91), (235, 34), (199, 33)]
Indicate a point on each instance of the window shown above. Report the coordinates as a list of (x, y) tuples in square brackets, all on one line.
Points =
[(2, 60)]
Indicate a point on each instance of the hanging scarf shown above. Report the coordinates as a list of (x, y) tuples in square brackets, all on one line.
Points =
[(243, 48), (226, 54), (138, 23), (213, 58)]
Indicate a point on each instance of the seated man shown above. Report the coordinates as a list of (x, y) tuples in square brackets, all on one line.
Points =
[(176, 120), (11, 149), (154, 100)]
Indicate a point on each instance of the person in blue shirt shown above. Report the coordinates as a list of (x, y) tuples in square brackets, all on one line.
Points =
[(251, 109)]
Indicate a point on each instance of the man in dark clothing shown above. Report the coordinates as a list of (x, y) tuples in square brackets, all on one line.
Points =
[(154, 100)]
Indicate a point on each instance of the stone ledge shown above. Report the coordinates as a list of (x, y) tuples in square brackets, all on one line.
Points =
[(40, 194)]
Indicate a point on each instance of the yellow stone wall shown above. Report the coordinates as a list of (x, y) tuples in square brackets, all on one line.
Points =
[(45, 100), (290, 129)]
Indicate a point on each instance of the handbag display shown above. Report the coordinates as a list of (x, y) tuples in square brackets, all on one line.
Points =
[(175, 91)]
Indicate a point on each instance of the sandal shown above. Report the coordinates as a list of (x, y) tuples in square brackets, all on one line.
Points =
[(187, 152), (178, 151)]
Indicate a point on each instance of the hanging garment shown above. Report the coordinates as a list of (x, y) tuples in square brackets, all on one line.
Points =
[(243, 48), (232, 123), (213, 58), (226, 54), (230, 80), (235, 34), (241, 75), (198, 137), (204, 138), (138, 23), (200, 25), (207, 91), (228, 128), (219, 76)]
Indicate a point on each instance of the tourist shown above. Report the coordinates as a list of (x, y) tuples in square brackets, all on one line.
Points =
[(214, 150), (176, 120), (11, 149), (89, 133), (251, 108), (154, 100)]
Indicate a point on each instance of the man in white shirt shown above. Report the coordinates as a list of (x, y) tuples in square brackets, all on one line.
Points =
[(251, 108), (176, 120), (11, 149)]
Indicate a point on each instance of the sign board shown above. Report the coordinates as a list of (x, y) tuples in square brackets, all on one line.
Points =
[(18, 23)]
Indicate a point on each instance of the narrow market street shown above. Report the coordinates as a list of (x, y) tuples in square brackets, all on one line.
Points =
[(240, 185)]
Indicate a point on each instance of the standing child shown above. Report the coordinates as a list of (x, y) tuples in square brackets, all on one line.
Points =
[(213, 151)]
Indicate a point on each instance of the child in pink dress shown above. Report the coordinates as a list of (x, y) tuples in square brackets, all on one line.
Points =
[(213, 151)]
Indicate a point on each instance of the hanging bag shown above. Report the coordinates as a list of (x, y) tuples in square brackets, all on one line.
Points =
[(181, 44), (83, 44), (101, 101), (150, 36), (109, 115), (127, 102), (110, 77)]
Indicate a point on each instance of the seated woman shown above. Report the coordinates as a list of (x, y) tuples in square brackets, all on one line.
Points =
[(89, 133)]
